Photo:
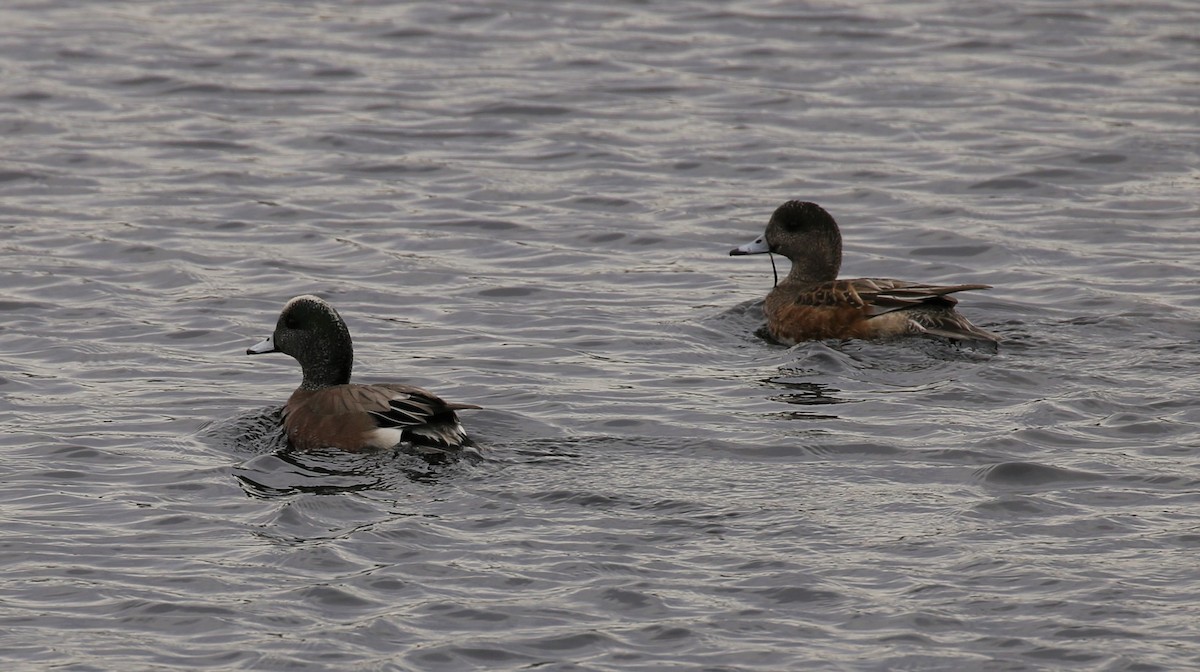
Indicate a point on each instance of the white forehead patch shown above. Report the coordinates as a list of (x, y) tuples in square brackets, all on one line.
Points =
[(305, 297)]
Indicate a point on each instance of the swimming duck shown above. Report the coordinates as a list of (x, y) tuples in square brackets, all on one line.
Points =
[(812, 304), (328, 411)]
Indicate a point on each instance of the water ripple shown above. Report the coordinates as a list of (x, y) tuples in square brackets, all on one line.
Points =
[(527, 207)]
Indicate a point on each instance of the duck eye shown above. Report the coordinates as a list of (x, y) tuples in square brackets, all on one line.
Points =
[(291, 322)]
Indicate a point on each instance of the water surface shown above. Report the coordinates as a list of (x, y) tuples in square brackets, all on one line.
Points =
[(528, 206)]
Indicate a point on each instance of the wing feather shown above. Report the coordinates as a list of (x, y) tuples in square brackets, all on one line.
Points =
[(883, 295), (396, 406)]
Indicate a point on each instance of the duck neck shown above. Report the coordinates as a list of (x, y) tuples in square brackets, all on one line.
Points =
[(819, 262), (814, 270), (330, 369)]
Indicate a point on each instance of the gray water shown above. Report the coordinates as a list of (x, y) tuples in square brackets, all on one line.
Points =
[(528, 206)]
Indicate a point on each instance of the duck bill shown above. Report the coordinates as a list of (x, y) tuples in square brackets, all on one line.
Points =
[(757, 246), (265, 345)]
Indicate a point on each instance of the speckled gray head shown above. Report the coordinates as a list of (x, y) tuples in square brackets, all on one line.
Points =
[(806, 234), (310, 330)]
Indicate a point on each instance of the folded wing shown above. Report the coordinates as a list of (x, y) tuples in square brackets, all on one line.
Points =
[(421, 417)]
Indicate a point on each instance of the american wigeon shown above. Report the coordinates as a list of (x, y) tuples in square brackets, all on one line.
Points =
[(812, 304), (328, 411)]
